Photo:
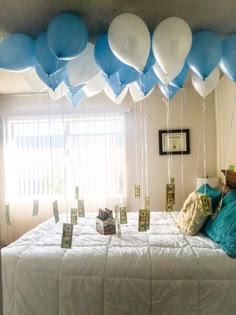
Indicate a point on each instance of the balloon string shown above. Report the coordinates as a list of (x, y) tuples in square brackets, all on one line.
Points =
[(145, 144), (136, 145), (142, 151), (168, 140), (204, 142), (198, 150), (181, 126)]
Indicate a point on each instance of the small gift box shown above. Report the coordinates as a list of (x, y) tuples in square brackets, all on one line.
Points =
[(105, 223)]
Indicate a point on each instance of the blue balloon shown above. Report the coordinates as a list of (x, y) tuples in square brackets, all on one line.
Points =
[(47, 60), (147, 81), (169, 91), (17, 52), (228, 59), (181, 77), (205, 53), (77, 98), (67, 36), (73, 89), (114, 84), (127, 74), (52, 81), (104, 57)]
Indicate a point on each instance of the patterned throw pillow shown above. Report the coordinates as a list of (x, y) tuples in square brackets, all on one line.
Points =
[(193, 215)]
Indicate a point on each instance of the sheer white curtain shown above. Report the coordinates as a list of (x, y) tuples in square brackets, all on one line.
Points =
[(46, 157)]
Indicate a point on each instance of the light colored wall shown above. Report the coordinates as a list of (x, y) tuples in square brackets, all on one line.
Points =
[(226, 123), (183, 166)]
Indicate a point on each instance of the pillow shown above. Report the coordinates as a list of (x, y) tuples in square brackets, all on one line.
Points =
[(222, 229), (229, 197), (193, 215), (214, 194)]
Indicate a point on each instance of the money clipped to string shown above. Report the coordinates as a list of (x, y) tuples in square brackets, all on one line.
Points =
[(123, 215), (170, 195), (74, 216), (67, 234), (137, 191), (55, 211), (143, 221), (206, 204), (35, 208), (76, 192), (81, 208), (117, 212), (147, 202), (148, 219), (7, 214)]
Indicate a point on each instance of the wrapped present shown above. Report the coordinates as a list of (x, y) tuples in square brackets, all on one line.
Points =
[(105, 223)]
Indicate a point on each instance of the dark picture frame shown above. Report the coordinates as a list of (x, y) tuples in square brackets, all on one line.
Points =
[(174, 141)]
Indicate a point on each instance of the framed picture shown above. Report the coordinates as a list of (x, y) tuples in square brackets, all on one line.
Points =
[(174, 141)]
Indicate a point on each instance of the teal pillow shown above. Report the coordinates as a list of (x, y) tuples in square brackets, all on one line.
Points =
[(222, 229), (213, 193), (229, 197)]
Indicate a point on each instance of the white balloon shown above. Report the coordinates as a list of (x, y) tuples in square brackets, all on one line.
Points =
[(205, 87), (129, 40), (116, 99), (34, 81), (83, 68), (171, 43), (96, 85), (136, 94), (164, 77)]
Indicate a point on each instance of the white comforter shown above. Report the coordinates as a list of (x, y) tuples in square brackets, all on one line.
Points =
[(161, 271)]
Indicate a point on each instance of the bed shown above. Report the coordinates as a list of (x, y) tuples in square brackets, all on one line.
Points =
[(161, 271)]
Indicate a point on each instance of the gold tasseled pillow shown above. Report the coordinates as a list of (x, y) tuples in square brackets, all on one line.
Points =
[(193, 215)]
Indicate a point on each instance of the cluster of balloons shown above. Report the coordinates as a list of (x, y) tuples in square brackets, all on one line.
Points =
[(127, 57)]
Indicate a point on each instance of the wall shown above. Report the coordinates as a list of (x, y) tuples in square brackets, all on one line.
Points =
[(183, 166), (226, 123)]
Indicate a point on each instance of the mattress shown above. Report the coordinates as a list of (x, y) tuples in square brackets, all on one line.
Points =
[(161, 271)]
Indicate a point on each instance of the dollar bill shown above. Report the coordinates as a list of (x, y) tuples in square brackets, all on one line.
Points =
[(81, 208), (137, 191), (123, 215), (7, 214), (170, 192), (55, 210), (206, 204), (148, 219), (35, 208), (147, 202), (67, 234), (142, 222), (117, 212), (169, 207), (77, 192), (74, 216)]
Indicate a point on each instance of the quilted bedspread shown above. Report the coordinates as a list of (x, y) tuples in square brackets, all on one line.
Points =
[(161, 271)]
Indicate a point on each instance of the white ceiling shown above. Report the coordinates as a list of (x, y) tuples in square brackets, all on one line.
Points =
[(33, 16)]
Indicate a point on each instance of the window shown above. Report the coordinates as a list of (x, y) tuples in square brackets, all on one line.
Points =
[(48, 157)]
